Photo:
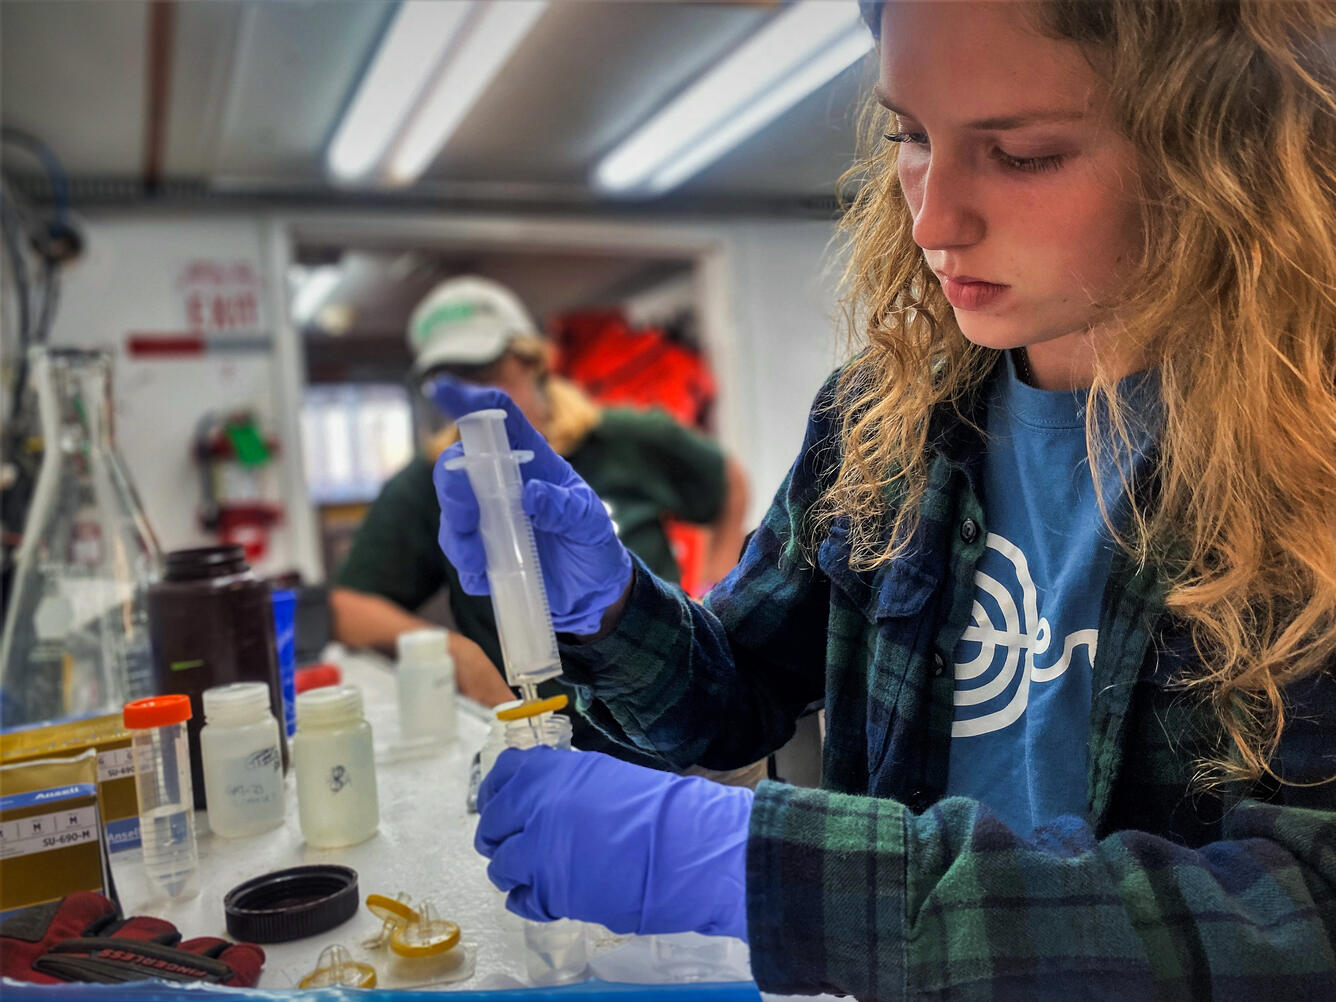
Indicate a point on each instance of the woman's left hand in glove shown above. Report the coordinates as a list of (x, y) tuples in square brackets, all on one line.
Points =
[(582, 835)]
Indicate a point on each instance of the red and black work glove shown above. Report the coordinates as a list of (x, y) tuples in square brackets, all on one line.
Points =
[(82, 937)]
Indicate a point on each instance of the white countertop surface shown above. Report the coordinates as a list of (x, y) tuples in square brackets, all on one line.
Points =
[(424, 846)]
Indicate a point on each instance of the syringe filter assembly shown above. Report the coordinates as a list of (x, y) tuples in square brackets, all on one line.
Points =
[(519, 600)]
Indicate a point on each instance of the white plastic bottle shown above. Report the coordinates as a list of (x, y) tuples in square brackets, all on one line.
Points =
[(426, 684), (336, 772), (243, 763)]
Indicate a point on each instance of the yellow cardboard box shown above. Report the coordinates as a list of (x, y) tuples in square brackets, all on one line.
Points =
[(51, 837), (115, 766)]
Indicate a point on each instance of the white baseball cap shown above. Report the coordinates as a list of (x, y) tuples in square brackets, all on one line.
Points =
[(466, 321)]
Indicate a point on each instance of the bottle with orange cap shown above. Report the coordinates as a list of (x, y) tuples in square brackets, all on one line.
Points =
[(161, 751)]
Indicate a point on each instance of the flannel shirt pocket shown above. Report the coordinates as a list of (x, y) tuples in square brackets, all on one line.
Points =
[(875, 619)]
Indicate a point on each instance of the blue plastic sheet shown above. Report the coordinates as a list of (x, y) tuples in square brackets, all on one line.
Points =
[(585, 991)]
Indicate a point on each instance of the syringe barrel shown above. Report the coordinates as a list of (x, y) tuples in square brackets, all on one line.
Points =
[(519, 599)]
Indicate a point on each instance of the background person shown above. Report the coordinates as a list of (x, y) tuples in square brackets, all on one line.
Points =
[(1057, 550), (642, 464)]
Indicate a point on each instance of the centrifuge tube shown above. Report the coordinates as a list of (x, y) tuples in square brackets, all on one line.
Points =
[(519, 601), (157, 726)]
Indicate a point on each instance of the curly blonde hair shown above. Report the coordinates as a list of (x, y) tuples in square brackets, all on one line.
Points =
[(1232, 105)]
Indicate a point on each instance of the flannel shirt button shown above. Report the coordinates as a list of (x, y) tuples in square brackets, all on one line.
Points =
[(938, 663), (969, 530)]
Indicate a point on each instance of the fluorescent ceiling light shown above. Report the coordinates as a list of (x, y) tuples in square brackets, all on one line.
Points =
[(312, 293), (408, 55), (435, 60), (490, 37), (804, 47)]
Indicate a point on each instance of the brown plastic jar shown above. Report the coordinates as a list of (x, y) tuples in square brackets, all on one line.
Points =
[(211, 622)]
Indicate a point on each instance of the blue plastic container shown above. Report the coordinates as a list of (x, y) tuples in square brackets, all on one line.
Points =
[(285, 638)]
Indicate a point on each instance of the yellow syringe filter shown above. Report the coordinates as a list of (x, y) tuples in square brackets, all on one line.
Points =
[(393, 912), (337, 967), (534, 708), (426, 937)]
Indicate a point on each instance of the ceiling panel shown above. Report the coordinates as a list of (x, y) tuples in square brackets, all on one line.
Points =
[(584, 77), (257, 87), (73, 74), (205, 51), (295, 69), (803, 152)]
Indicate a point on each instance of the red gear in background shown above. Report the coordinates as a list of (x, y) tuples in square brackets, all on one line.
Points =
[(599, 351)]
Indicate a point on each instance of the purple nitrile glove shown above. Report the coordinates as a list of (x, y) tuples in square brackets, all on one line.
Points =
[(582, 835), (585, 566)]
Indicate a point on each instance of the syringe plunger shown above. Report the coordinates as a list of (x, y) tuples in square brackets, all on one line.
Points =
[(519, 600)]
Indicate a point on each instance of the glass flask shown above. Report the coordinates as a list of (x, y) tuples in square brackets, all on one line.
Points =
[(76, 636)]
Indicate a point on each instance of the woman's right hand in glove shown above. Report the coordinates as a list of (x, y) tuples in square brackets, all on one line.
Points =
[(586, 569)]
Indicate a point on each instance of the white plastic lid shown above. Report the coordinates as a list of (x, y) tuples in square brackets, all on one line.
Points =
[(424, 645), (238, 701), (329, 705)]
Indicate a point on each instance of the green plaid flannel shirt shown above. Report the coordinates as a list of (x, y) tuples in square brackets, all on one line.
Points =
[(878, 887)]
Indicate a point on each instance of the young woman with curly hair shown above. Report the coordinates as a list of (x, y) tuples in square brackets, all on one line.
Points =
[(1058, 552)]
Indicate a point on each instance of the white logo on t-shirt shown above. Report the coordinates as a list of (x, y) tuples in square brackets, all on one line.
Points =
[(1019, 632)]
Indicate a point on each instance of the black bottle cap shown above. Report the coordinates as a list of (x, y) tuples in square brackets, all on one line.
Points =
[(205, 562), (291, 904)]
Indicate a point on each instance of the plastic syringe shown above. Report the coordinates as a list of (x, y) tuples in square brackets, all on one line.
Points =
[(519, 601)]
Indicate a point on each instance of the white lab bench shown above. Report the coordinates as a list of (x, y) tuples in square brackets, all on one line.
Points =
[(424, 847)]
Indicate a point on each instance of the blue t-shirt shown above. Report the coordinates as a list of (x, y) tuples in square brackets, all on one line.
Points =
[(1023, 666)]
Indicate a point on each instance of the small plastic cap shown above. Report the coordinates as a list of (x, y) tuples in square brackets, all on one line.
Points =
[(424, 645), (329, 705), (239, 699), (317, 677), (156, 711)]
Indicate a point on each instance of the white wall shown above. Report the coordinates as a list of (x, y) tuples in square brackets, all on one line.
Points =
[(134, 277), (788, 339), (781, 334), (767, 292)]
